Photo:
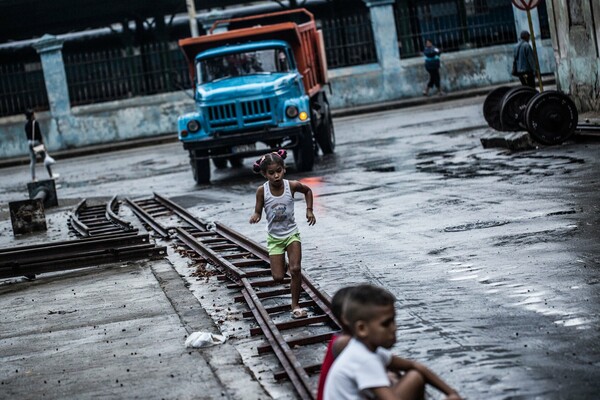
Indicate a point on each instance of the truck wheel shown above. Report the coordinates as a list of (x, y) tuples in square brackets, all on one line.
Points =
[(220, 163), (304, 153), (325, 133), (200, 170), (236, 162)]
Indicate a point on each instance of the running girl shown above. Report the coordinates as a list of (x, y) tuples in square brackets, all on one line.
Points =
[(276, 196)]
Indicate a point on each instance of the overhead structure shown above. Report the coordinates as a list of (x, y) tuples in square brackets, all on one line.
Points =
[(26, 19)]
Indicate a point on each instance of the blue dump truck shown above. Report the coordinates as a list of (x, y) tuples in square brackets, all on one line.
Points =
[(259, 86)]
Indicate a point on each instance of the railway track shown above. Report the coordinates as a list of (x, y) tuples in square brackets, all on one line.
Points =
[(96, 220), (243, 265), (80, 253)]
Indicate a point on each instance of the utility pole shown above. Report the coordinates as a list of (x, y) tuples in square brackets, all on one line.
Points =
[(191, 8)]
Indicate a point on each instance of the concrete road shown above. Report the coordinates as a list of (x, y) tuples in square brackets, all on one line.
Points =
[(493, 256)]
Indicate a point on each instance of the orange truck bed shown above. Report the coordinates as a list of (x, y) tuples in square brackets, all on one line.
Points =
[(304, 38)]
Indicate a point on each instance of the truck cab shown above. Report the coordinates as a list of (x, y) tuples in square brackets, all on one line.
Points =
[(251, 98)]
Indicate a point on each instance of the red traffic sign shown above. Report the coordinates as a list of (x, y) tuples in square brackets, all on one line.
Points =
[(525, 5)]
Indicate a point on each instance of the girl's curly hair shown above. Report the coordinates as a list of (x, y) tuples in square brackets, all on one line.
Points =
[(276, 157)]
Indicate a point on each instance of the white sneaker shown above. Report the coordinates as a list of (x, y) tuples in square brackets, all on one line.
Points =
[(55, 176)]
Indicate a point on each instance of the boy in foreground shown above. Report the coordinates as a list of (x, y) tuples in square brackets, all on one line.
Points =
[(360, 371)]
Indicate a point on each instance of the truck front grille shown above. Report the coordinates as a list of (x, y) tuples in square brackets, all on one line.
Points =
[(256, 111), (222, 116), (240, 114)]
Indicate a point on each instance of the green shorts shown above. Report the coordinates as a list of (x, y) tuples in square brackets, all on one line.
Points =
[(278, 246)]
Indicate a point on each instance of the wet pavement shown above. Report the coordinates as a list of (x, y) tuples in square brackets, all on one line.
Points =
[(494, 256)]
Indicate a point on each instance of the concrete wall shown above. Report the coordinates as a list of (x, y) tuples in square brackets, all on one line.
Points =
[(577, 50), (461, 70), (157, 115)]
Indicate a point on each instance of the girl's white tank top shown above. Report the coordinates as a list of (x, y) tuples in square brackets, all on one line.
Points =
[(280, 212)]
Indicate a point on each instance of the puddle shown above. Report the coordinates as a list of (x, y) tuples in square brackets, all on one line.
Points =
[(475, 225), (379, 166)]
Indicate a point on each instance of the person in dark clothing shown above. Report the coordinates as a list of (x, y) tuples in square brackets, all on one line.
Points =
[(524, 61), (34, 138), (432, 65)]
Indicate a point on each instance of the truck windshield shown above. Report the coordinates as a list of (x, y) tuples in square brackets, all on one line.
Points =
[(240, 64)]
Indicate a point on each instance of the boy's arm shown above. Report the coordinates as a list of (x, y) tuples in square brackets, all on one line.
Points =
[(296, 186), (258, 207), (401, 364), (340, 344)]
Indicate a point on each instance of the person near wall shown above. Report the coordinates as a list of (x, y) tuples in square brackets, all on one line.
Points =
[(524, 63), (432, 65), (36, 145)]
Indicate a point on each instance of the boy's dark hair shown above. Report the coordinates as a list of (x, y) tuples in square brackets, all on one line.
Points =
[(525, 35), (276, 157), (338, 301), (361, 299), (29, 113)]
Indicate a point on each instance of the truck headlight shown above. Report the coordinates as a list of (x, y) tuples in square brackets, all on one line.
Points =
[(193, 126), (291, 111)]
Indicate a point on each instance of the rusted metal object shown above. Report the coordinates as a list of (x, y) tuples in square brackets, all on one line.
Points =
[(44, 190), (550, 117), (148, 219), (51, 257), (27, 216), (98, 220), (512, 110)]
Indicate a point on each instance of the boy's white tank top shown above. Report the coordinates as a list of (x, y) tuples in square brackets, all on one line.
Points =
[(280, 212)]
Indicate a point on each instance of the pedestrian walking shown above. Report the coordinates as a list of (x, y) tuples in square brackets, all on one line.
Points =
[(523, 61), (276, 197), (36, 145), (432, 65), (361, 370)]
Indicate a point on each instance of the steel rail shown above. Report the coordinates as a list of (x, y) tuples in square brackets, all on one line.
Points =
[(283, 352), (322, 300), (244, 242), (77, 225), (147, 218), (66, 248), (209, 254), (97, 220), (228, 251), (84, 261), (182, 213), (110, 215)]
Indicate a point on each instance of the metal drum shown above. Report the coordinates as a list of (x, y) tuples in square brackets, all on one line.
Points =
[(512, 110), (492, 105), (551, 117)]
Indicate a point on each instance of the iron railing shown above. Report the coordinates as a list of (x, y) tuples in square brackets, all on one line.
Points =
[(349, 40), (543, 17), (120, 73), (21, 87), (454, 25)]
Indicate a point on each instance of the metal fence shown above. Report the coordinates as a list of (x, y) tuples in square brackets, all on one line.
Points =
[(120, 73), (349, 41), (544, 23), (22, 86), (454, 25)]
